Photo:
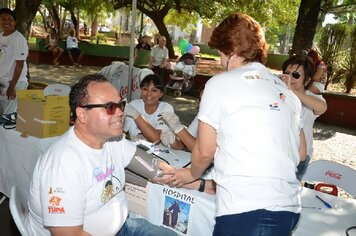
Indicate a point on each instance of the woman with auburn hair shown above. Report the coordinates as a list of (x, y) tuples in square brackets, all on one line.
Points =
[(249, 125)]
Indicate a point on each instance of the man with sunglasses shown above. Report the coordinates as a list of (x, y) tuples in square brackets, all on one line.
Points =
[(298, 72), (77, 186)]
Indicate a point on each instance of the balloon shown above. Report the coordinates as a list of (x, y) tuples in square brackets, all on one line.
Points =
[(188, 47), (182, 44), (195, 50)]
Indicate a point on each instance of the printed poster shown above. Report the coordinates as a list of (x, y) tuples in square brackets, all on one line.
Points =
[(176, 211)]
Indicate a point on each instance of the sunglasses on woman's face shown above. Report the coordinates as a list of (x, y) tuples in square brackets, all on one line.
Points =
[(110, 107), (295, 74)]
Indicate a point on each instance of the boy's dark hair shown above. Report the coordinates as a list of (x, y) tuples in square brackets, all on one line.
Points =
[(9, 11)]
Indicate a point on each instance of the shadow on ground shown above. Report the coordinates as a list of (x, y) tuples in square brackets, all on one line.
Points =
[(324, 131)]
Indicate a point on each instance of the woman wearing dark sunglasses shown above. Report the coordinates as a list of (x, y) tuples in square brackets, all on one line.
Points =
[(301, 71), (142, 120)]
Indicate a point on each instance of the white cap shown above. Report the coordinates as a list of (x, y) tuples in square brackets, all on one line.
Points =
[(143, 73)]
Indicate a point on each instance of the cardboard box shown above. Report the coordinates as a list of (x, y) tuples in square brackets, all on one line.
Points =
[(42, 116)]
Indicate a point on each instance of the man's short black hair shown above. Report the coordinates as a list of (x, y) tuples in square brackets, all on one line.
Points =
[(9, 11)]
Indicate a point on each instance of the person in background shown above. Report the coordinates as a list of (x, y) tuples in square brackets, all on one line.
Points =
[(142, 121), (249, 125), (300, 71), (52, 46), (13, 66), (144, 43), (73, 48), (78, 183), (319, 77), (159, 58)]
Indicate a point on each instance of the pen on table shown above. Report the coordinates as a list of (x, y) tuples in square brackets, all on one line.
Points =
[(328, 205)]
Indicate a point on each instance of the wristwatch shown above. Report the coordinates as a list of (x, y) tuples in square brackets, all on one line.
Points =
[(202, 185)]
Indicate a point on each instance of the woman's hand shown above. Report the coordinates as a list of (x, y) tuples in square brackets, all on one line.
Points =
[(130, 111), (167, 137), (181, 177), (162, 178), (172, 121), (286, 79)]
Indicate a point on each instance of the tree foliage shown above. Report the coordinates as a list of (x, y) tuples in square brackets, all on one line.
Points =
[(274, 16)]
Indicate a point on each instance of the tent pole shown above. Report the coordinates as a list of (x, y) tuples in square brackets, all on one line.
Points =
[(132, 45)]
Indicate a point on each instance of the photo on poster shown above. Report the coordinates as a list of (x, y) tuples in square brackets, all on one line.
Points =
[(176, 214)]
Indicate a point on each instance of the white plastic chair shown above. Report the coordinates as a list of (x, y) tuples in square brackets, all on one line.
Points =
[(332, 173), (19, 208)]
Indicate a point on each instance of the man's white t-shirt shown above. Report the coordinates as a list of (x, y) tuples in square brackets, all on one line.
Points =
[(154, 120), (13, 48), (257, 122), (74, 184), (159, 54), (72, 42)]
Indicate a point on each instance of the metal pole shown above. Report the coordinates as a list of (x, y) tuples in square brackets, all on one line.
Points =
[(132, 45)]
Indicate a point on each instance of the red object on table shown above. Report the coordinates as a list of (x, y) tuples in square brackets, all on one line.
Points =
[(327, 188)]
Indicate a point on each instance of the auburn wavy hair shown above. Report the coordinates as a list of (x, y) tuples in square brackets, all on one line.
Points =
[(240, 34)]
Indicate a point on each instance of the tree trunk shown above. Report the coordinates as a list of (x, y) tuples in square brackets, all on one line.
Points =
[(163, 31), (44, 21), (94, 26), (25, 13), (306, 25), (75, 22), (53, 11), (157, 18)]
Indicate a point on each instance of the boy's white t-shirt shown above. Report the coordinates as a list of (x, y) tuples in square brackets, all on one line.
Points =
[(72, 42), (74, 184), (154, 120)]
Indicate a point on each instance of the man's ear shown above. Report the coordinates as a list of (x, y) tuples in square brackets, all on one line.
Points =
[(81, 114)]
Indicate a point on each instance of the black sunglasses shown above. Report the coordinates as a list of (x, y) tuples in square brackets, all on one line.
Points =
[(295, 74), (110, 107)]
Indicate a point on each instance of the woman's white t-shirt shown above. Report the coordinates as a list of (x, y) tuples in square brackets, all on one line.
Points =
[(154, 120)]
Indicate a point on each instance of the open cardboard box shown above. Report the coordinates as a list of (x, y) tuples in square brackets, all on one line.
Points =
[(42, 116)]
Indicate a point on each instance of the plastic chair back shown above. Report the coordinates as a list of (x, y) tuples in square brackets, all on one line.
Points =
[(332, 173), (19, 208)]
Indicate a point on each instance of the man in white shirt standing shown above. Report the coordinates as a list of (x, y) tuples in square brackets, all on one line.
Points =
[(159, 57), (13, 68)]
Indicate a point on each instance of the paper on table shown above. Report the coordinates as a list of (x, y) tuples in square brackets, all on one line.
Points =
[(137, 198)]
